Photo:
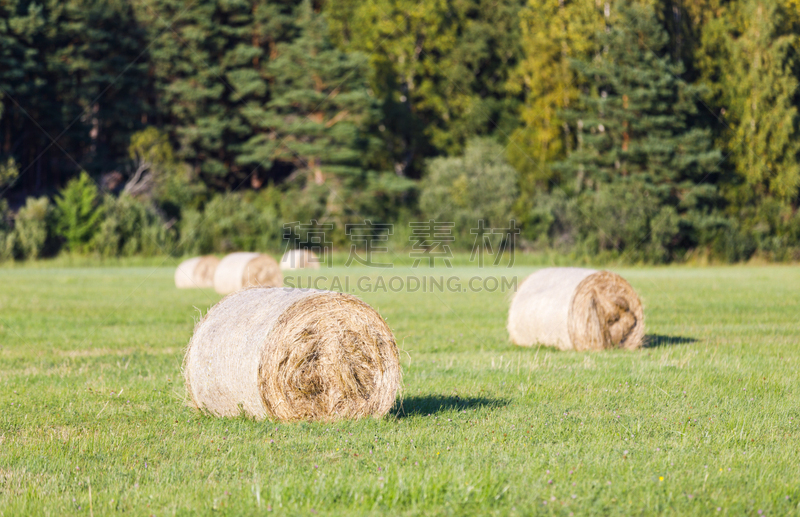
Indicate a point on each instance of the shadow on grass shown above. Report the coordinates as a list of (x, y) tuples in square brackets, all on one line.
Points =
[(656, 340), (431, 404)]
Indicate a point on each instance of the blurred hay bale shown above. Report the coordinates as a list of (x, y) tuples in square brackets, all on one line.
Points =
[(576, 309), (196, 272), (239, 270), (292, 354)]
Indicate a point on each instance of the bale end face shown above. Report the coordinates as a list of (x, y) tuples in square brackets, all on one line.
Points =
[(243, 269), (330, 357), (196, 272), (262, 271), (606, 313)]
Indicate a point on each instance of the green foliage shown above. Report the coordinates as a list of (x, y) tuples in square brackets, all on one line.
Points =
[(32, 226), (769, 230), (615, 221), (439, 69), (7, 236), (327, 109), (8, 173), (131, 227), (635, 130), (559, 32), (478, 186), (384, 197), (210, 63), (79, 212), (178, 190), (750, 59), (318, 108), (151, 146), (75, 70), (230, 222), (158, 176)]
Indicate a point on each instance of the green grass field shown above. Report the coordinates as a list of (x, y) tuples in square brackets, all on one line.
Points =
[(93, 419)]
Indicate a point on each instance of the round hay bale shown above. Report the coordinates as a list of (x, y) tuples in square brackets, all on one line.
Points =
[(196, 272), (239, 270), (576, 309), (292, 354), (299, 259)]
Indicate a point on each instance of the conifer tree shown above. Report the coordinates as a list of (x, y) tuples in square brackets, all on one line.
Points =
[(74, 72), (210, 61), (634, 125), (318, 108), (20, 26), (79, 212)]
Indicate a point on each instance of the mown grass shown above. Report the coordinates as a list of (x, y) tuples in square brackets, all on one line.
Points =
[(706, 420)]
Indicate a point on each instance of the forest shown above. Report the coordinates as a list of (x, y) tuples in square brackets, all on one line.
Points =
[(640, 131)]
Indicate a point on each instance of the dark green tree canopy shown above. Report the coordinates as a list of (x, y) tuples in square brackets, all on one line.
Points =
[(318, 109), (635, 120)]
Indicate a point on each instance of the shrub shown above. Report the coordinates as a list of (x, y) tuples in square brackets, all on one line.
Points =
[(157, 175), (32, 226), (7, 237), (9, 172), (78, 212), (553, 222), (617, 220), (383, 197), (230, 222), (131, 227), (480, 185)]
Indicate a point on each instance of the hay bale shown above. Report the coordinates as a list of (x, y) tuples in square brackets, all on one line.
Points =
[(292, 354), (576, 309), (299, 259), (239, 270), (196, 272)]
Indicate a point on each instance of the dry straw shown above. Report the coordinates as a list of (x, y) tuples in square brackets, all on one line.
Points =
[(196, 272), (239, 270), (299, 259), (576, 309), (292, 354)]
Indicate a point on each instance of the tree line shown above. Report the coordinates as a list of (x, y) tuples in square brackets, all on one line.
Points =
[(635, 130)]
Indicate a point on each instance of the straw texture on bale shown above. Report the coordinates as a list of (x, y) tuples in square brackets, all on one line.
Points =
[(576, 309), (299, 259), (196, 272), (292, 354), (239, 270)]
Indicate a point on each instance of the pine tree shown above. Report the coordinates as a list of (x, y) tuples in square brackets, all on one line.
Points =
[(318, 108), (20, 26), (79, 213), (210, 61), (96, 56), (634, 125), (76, 73)]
